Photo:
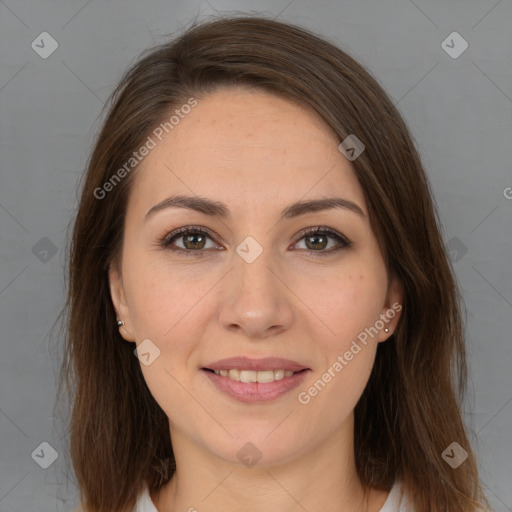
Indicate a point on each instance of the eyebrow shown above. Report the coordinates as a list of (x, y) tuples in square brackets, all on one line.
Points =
[(218, 209)]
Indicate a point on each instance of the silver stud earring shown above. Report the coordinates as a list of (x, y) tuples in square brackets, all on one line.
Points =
[(120, 323), (386, 329)]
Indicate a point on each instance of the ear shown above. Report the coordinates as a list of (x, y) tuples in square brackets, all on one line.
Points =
[(392, 310), (118, 297)]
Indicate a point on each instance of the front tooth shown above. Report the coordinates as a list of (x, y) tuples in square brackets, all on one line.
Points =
[(234, 374), (278, 374), (265, 376), (247, 376)]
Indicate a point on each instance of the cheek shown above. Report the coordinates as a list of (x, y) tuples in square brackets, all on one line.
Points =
[(334, 394), (163, 299), (352, 306), (168, 307), (347, 304), (347, 357)]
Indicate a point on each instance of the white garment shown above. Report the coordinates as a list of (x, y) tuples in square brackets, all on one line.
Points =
[(144, 503), (395, 502)]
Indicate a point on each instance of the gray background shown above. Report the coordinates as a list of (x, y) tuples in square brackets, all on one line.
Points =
[(458, 109)]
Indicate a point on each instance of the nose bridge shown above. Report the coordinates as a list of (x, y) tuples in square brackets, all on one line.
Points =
[(255, 299), (252, 263)]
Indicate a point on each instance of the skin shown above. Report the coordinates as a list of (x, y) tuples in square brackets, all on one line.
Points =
[(256, 153)]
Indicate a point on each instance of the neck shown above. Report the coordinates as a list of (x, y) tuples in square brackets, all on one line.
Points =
[(323, 478)]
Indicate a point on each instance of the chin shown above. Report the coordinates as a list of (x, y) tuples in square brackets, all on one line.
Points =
[(255, 449)]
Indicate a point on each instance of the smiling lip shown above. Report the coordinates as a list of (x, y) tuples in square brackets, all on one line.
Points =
[(250, 392), (267, 363)]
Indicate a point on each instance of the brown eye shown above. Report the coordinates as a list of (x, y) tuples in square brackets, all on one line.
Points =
[(317, 241), (194, 241), (188, 241)]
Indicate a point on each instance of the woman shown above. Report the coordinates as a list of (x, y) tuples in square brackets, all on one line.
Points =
[(257, 229)]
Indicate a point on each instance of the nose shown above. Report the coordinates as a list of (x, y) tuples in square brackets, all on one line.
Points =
[(256, 301)]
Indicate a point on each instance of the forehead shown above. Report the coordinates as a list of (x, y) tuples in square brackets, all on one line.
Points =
[(239, 146)]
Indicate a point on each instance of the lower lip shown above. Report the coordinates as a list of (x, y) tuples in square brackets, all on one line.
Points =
[(254, 391)]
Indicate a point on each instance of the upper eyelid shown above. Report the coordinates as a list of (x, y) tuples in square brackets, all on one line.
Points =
[(177, 233)]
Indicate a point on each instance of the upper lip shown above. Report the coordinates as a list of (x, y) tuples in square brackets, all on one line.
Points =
[(246, 363)]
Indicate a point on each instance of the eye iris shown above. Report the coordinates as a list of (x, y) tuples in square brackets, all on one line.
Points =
[(195, 236), (316, 244)]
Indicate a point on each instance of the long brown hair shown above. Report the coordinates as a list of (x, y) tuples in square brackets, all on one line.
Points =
[(410, 411)]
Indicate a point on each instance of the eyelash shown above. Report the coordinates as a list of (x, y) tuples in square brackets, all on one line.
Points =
[(166, 242)]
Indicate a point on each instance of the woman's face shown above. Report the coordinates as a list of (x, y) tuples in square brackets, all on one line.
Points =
[(256, 285)]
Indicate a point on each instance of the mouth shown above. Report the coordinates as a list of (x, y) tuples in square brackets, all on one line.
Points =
[(255, 380)]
